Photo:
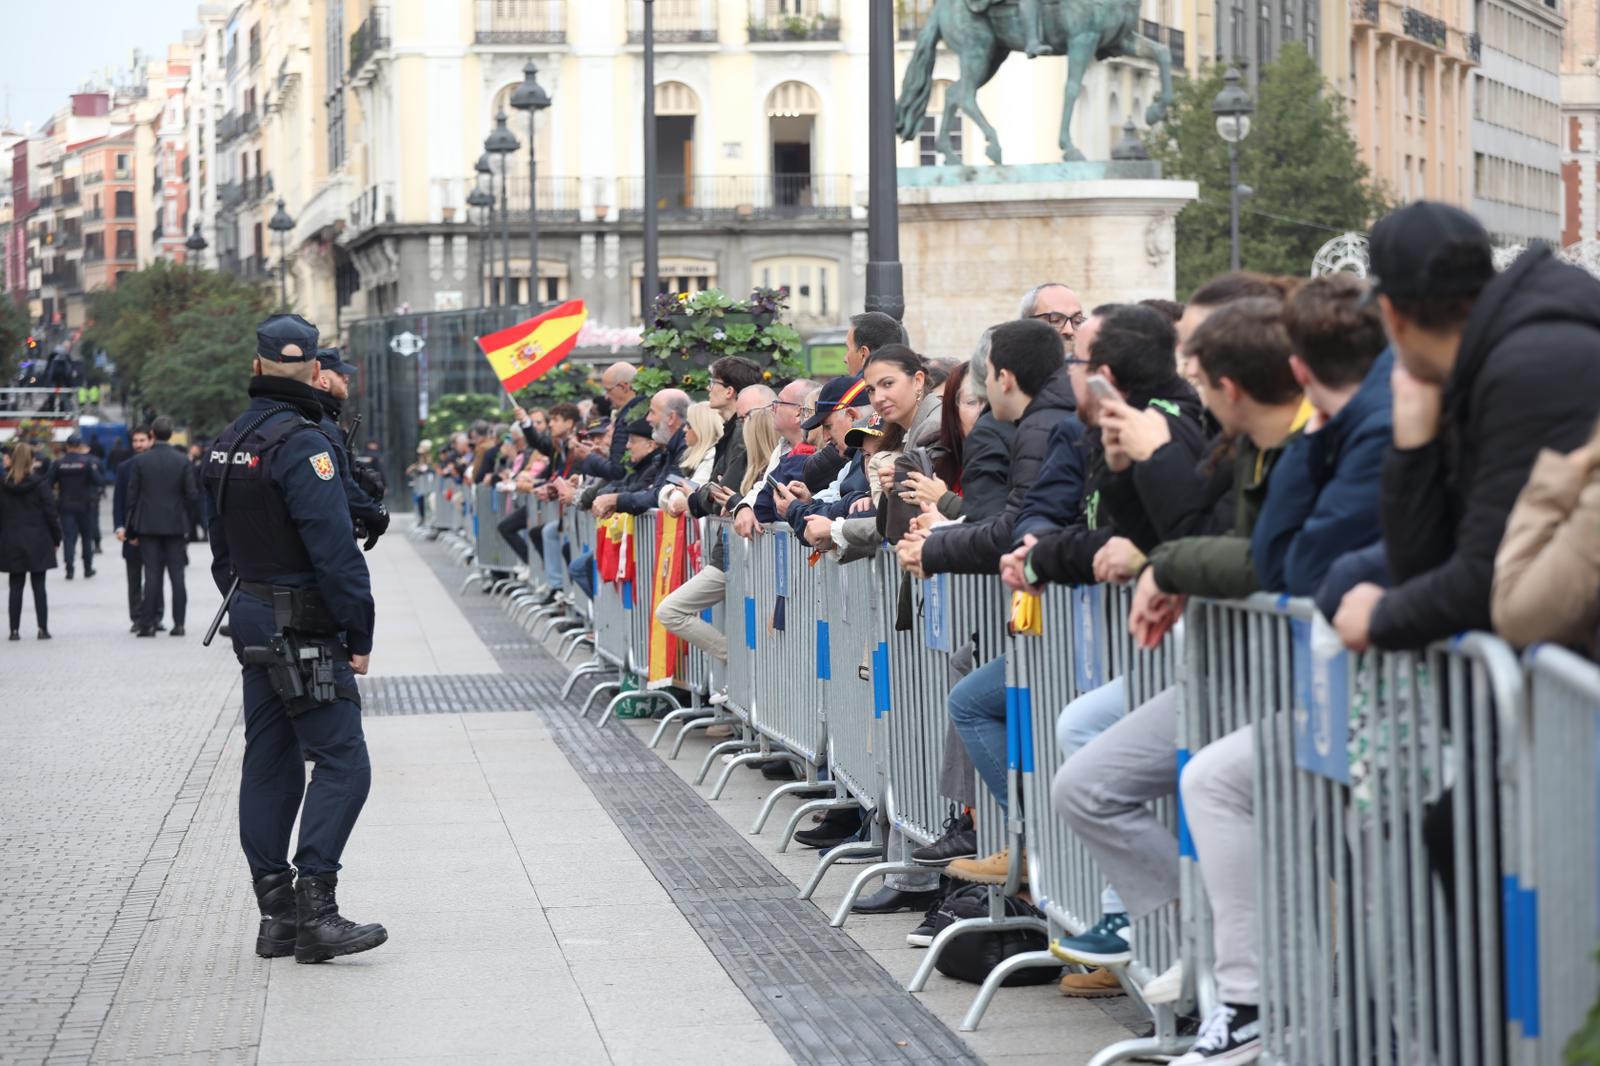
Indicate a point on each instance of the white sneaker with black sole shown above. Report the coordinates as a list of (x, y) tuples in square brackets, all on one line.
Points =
[(1230, 1036)]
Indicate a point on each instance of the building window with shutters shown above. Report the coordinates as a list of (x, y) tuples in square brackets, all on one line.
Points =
[(812, 283), (675, 275)]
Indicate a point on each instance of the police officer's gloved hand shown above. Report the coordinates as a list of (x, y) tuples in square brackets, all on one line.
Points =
[(370, 481), (376, 526)]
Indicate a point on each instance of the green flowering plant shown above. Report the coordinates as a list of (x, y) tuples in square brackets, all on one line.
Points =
[(690, 331)]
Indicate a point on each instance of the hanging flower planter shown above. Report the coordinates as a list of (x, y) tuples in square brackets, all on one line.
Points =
[(692, 331)]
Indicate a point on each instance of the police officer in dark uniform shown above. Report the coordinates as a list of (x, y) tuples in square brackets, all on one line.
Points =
[(366, 499), (77, 478), (302, 622)]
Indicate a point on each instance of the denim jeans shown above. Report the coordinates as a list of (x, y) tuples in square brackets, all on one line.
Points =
[(978, 711), (554, 566), (1080, 722), (581, 571)]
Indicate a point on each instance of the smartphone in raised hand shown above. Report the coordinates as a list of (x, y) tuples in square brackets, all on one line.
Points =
[(1103, 390)]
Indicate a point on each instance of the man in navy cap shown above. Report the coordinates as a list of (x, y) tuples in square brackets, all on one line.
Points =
[(1492, 368), (302, 622), (366, 505)]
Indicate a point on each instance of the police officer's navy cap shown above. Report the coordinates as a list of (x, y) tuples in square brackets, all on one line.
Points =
[(641, 428), (332, 360), (74, 440), (1428, 249), (279, 332), (840, 392)]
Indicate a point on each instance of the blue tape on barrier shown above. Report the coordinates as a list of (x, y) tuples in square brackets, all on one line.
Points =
[(1520, 936), (824, 657), (1185, 841), (705, 615), (1025, 727), (750, 622), (627, 595), (880, 680), (1013, 743)]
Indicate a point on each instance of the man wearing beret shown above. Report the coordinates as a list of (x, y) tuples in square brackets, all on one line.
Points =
[(281, 527)]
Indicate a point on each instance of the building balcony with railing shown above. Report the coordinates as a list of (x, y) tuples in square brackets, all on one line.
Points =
[(62, 276), (230, 194), (789, 21), (752, 197), (94, 177), (676, 22), (370, 38), (521, 22)]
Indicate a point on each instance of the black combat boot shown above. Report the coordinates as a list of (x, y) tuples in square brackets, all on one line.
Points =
[(275, 897), (324, 933)]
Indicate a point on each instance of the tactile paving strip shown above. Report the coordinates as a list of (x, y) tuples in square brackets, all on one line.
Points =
[(824, 997)]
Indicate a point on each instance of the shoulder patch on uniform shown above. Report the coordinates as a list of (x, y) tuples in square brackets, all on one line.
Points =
[(322, 463)]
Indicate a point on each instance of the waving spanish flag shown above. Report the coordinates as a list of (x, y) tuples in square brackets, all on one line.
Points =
[(527, 351)]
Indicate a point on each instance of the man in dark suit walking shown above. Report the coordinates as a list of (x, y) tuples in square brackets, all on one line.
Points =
[(162, 504), (119, 521)]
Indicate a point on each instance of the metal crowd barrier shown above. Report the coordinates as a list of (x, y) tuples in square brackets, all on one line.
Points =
[(639, 603), (1559, 890), (422, 488), (1426, 824), (490, 551)]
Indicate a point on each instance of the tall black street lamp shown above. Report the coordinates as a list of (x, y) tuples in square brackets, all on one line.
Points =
[(486, 252), (502, 142), (281, 224), (1233, 109), (652, 243), (196, 244), (531, 97), (480, 199), (885, 286)]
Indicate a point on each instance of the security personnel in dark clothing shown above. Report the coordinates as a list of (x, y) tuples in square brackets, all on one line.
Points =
[(366, 506), (281, 526), (77, 478)]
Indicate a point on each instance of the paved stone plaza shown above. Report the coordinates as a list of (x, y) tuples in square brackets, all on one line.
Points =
[(553, 894)]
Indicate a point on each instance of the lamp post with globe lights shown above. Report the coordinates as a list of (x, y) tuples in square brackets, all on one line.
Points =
[(531, 97), (281, 224), (1233, 109), (502, 142)]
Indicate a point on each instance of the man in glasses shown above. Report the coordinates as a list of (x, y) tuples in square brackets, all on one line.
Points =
[(617, 386), (1057, 306), (789, 410)]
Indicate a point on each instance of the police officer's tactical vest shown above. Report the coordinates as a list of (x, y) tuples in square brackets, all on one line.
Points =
[(263, 542)]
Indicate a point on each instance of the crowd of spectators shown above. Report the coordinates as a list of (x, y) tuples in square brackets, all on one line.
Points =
[(1417, 452)]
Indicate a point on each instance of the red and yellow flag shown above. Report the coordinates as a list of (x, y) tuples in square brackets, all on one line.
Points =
[(667, 650), (529, 350)]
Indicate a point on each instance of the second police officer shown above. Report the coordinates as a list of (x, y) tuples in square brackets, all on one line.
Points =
[(302, 623), (366, 497)]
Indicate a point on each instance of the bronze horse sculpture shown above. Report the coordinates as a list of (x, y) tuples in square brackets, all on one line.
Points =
[(982, 33)]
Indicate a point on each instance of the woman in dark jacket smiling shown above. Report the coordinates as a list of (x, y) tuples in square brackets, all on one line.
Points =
[(30, 532)]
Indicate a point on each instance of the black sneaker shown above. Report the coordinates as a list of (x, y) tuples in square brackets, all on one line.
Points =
[(862, 836), (836, 827), (1231, 1035), (933, 921), (960, 841)]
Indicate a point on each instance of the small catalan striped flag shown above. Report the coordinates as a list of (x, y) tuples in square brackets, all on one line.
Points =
[(524, 353)]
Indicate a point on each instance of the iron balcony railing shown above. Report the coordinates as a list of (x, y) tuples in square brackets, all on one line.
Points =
[(676, 21), (522, 21), (94, 214), (735, 197), (94, 177), (559, 200), (792, 20), (371, 37), (1423, 27), (371, 207)]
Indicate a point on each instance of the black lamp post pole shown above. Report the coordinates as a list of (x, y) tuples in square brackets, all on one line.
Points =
[(652, 250), (885, 285), (533, 220)]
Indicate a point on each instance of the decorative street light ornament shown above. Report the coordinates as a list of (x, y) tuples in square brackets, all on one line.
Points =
[(406, 343), (196, 242), (1130, 149), (1233, 108), (1345, 254)]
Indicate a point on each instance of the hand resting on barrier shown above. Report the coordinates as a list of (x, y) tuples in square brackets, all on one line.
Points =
[(1118, 561), (909, 552), (1013, 566), (745, 523), (1154, 612), (605, 506), (1354, 618), (819, 532)]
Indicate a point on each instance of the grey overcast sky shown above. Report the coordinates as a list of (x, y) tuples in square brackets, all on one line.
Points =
[(57, 44)]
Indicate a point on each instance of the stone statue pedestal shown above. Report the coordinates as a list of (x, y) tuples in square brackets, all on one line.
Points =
[(973, 240)]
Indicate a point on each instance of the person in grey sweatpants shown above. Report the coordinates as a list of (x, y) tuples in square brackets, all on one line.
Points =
[(1220, 809), (1102, 794)]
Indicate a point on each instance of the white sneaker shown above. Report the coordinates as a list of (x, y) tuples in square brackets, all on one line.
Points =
[(717, 699), (1165, 988)]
